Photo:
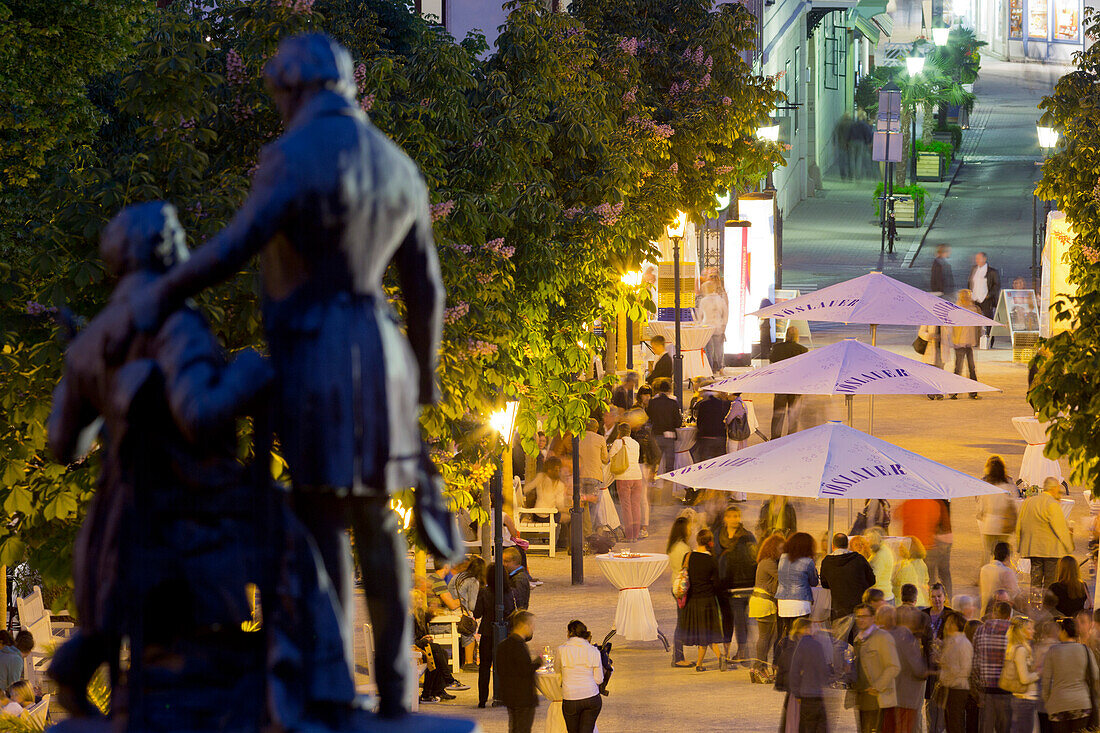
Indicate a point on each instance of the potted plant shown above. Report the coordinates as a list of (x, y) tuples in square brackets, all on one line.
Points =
[(908, 204), (933, 159)]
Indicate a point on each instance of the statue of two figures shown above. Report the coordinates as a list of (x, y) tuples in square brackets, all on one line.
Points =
[(180, 529)]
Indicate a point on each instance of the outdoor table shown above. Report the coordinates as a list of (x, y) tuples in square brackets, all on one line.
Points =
[(685, 441), (548, 683), (634, 617), (693, 341), (1035, 467)]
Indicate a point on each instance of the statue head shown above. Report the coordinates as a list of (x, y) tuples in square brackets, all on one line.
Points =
[(304, 65), (143, 237)]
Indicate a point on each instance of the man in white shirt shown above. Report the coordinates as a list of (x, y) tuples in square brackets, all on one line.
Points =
[(996, 575), (985, 287)]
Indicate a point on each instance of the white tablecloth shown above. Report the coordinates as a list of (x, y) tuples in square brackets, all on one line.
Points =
[(634, 617), (549, 684), (1035, 467), (693, 340)]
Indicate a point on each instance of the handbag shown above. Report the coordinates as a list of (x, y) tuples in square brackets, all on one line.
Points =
[(939, 695), (680, 584), (620, 462), (466, 625), (920, 345), (1094, 713)]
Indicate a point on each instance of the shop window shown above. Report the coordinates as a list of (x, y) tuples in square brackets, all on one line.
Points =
[(1015, 19), (1067, 20), (1038, 19)]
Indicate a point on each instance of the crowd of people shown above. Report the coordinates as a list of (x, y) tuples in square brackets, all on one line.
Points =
[(17, 695), (872, 615)]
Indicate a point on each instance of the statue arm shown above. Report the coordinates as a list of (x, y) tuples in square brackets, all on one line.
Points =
[(204, 392), (422, 289), (252, 227), (71, 413)]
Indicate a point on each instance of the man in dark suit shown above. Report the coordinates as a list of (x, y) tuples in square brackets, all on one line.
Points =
[(786, 405), (664, 417), (516, 671), (985, 287), (662, 368), (943, 280), (623, 395)]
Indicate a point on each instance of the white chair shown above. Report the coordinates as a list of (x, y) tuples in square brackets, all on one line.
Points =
[(448, 638), (368, 642), (38, 661), (32, 609), (527, 521), (37, 713)]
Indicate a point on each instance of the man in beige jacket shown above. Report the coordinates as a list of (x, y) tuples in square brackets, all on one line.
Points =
[(874, 694), (1042, 534)]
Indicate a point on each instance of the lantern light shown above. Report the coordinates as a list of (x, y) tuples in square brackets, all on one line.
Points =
[(940, 35), (677, 228), (914, 64), (504, 419), (770, 133), (1048, 137)]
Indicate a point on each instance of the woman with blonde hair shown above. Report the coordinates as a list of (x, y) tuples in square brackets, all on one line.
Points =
[(964, 339), (882, 562), (911, 568), (1020, 676), (859, 544)]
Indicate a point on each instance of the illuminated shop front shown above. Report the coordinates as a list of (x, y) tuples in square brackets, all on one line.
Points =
[(1047, 30)]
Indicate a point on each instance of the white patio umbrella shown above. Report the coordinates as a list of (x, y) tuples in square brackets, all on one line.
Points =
[(831, 461), (849, 368), (874, 299)]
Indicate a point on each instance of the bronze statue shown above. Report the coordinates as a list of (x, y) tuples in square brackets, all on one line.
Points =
[(332, 203)]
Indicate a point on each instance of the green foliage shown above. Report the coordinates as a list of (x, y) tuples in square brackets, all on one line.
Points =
[(960, 55), (947, 150), (1066, 388), (553, 165), (915, 190), (932, 88), (956, 134), (866, 94)]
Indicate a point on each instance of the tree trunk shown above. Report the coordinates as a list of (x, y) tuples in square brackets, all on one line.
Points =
[(901, 170)]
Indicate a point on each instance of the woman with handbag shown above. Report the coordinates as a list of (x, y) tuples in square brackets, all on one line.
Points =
[(467, 585), (627, 470), (964, 339), (1068, 681), (762, 605), (1019, 676), (678, 550), (956, 659)]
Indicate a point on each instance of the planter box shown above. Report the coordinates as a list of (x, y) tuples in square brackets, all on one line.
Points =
[(943, 136), (931, 167), (905, 211)]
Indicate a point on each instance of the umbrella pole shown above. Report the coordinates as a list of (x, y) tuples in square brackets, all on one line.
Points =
[(870, 398), (849, 403)]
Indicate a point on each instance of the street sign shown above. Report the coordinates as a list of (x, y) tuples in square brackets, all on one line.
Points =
[(886, 145)]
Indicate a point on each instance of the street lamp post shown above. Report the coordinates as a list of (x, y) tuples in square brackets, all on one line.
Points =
[(675, 232), (770, 133), (502, 421), (632, 280), (1048, 140)]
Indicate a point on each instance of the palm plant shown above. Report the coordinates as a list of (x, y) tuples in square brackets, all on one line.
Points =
[(931, 88)]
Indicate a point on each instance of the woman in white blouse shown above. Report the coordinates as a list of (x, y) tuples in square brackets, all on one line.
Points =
[(581, 674)]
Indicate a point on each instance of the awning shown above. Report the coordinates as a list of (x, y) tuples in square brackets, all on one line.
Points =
[(865, 26), (884, 22)]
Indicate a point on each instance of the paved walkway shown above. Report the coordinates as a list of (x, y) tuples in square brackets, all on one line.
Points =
[(985, 205)]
